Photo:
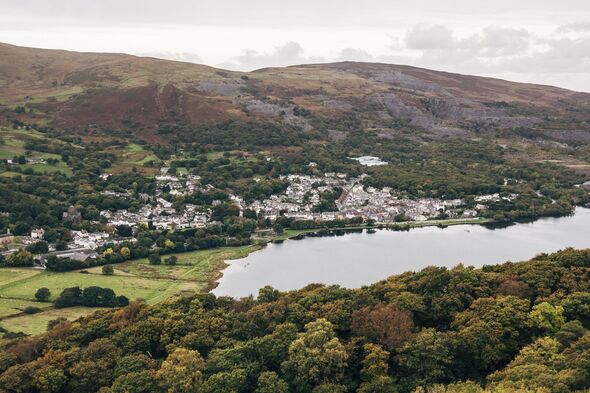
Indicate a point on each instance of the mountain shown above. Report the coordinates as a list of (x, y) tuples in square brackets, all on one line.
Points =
[(79, 92)]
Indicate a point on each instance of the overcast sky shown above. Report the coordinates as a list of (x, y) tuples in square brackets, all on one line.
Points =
[(541, 41)]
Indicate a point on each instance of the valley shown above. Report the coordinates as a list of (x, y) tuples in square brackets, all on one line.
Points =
[(156, 213)]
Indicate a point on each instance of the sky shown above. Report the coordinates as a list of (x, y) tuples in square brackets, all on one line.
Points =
[(538, 41)]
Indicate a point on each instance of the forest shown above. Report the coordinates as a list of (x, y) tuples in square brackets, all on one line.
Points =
[(514, 327)]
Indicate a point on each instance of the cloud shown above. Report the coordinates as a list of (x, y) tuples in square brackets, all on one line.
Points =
[(580, 27), (501, 51), (491, 41), (497, 41), (563, 55), (427, 37), (291, 53), (353, 54)]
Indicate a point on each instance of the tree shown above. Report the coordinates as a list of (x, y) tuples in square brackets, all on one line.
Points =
[(68, 297), (20, 258), (535, 368), (375, 372), (134, 363), (108, 270), (269, 382), (268, 294), (42, 294), (514, 288), (134, 382), (155, 259), (181, 372), (40, 247), (223, 210), (426, 359), (92, 296), (169, 244), (278, 228), (94, 367), (492, 331), (329, 387), (225, 382), (385, 325), (61, 245), (49, 379), (547, 318), (21, 228), (171, 260), (577, 306), (315, 357), (577, 363), (125, 252), (124, 231), (569, 333)]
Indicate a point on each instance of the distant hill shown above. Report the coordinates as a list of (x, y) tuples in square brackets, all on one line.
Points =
[(78, 92)]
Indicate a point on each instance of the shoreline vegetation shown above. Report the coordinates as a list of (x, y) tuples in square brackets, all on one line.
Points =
[(197, 272)]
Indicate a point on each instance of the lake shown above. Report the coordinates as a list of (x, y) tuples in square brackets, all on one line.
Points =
[(358, 259)]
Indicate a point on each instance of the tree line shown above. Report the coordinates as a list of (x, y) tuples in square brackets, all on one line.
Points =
[(502, 328)]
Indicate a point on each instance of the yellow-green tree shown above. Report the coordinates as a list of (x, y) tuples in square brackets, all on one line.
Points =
[(315, 357), (269, 382), (181, 372), (375, 371)]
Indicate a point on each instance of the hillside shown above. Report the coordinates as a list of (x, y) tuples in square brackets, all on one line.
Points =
[(152, 173), (91, 93)]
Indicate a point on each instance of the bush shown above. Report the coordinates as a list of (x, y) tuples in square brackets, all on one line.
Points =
[(108, 270), (54, 322), (172, 260), (42, 294), (155, 259), (31, 310)]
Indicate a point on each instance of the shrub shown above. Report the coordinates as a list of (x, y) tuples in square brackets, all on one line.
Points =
[(155, 259), (108, 270), (42, 294), (31, 310)]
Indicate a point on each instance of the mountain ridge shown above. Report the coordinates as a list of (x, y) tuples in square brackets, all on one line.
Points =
[(74, 91)]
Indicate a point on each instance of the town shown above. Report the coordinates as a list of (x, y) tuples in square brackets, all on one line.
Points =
[(303, 199), (298, 201)]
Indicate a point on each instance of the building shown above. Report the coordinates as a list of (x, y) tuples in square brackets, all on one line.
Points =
[(37, 234), (78, 254), (72, 214)]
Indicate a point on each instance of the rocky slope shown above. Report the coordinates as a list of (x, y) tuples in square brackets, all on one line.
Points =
[(89, 91)]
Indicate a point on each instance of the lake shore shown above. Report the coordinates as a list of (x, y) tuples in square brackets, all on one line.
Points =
[(357, 255)]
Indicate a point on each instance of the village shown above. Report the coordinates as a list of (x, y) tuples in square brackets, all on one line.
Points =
[(299, 201)]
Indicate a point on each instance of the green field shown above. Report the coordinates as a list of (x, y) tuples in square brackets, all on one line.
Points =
[(13, 142), (137, 155), (16, 306), (195, 272), (37, 323), (133, 156)]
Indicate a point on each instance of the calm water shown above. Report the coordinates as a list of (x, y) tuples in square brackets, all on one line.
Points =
[(358, 259)]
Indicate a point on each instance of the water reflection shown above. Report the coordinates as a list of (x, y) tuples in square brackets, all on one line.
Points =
[(356, 258)]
